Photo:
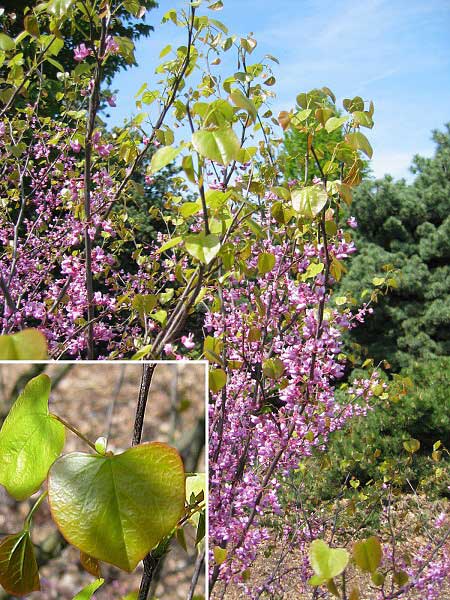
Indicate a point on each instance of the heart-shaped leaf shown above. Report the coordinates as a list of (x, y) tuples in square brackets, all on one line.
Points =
[(241, 101), (367, 554), (164, 156), (217, 380), (220, 555), (220, 145), (6, 42), (411, 445), (116, 508), (202, 247), (358, 141), (19, 574), (266, 262), (31, 439), (29, 344), (334, 123), (58, 8), (326, 562), (87, 591), (309, 201)]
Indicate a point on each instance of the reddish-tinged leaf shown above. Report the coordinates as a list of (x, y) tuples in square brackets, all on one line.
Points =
[(19, 574)]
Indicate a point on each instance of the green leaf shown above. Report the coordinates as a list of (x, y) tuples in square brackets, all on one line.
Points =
[(315, 580), (55, 63), (335, 123), (273, 368), (212, 349), (126, 49), (170, 244), (327, 562), (331, 587), (217, 379), (309, 201), (367, 554), (301, 116), (246, 154), (187, 209), (181, 538), (400, 578), (165, 297), (31, 439), (363, 119), (188, 167), (116, 508), (53, 46), (31, 25), (202, 247), (19, 573), (358, 141), (378, 281), (241, 101), (266, 262), (28, 344), (220, 145), (142, 352), (101, 445), (201, 529), (313, 270), (144, 304), (377, 578), (163, 156), (86, 592), (411, 445), (219, 113), (6, 42), (195, 487), (160, 316), (59, 8), (220, 555)]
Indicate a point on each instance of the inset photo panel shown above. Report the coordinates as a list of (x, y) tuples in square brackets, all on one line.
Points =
[(102, 480)]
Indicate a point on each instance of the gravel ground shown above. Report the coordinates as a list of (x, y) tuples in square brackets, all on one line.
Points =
[(289, 571), (99, 399)]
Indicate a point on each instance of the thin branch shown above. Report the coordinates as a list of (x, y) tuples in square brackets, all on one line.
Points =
[(94, 103), (150, 562), (198, 569), (146, 380)]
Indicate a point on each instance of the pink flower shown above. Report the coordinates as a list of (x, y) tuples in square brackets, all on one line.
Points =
[(169, 349), (440, 520), (352, 222), (75, 145), (111, 45), (89, 89), (149, 180), (111, 100), (81, 52), (188, 341), (104, 149)]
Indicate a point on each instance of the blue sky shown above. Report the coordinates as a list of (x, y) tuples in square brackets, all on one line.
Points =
[(394, 52)]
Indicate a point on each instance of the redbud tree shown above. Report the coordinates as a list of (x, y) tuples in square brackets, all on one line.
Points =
[(244, 274)]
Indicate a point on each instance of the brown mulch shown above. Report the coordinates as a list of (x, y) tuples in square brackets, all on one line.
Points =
[(84, 398)]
